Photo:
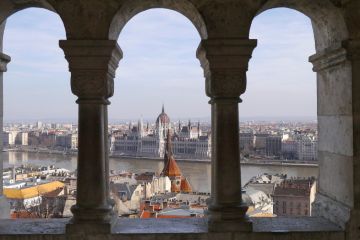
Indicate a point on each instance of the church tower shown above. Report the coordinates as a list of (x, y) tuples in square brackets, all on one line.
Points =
[(171, 169)]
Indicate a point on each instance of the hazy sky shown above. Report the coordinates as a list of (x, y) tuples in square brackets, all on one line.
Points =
[(159, 66)]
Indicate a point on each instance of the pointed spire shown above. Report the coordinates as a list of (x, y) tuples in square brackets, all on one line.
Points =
[(179, 126), (171, 169), (168, 150), (198, 129), (169, 144), (163, 109)]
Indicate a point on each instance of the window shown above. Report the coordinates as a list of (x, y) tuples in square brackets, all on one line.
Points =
[(336, 134), (39, 111)]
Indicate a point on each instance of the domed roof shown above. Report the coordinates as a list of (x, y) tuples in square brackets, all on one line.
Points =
[(163, 118)]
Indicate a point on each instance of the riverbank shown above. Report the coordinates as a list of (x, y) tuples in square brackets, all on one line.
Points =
[(254, 162), (250, 162)]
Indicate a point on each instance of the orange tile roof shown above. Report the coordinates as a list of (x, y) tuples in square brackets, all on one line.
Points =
[(185, 186), (23, 214), (172, 169), (146, 214), (172, 216)]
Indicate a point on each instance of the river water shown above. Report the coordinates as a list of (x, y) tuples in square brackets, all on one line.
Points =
[(198, 173)]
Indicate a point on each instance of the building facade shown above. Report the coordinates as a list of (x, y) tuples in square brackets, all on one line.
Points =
[(188, 141), (293, 197)]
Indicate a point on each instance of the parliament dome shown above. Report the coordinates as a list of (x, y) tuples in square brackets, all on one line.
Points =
[(163, 118)]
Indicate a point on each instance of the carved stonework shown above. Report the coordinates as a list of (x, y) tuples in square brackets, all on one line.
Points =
[(225, 63), (92, 84), (331, 210), (92, 64), (329, 58), (226, 83), (4, 60)]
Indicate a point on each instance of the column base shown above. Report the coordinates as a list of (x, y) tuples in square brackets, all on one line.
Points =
[(230, 226), (352, 226), (91, 221), (81, 228), (229, 219), (4, 208)]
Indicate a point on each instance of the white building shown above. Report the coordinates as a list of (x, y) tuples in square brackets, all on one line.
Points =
[(307, 148), (68, 141), (22, 138), (11, 138), (188, 141)]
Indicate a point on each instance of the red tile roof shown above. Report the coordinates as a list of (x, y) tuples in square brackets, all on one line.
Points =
[(171, 168), (185, 186), (147, 214), (172, 216)]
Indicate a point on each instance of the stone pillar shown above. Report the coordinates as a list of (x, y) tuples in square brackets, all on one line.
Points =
[(92, 64), (353, 55), (334, 197), (225, 63), (4, 205)]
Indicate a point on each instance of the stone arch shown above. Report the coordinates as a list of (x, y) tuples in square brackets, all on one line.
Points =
[(10, 7), (132, 7), (335, 196), (328, 23)]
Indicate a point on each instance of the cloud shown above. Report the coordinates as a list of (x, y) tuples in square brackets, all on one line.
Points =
[(280, 78), (160, 66)]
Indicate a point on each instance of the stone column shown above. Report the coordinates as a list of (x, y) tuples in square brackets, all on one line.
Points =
[(4, 205), (353, 55), (225, 62), (334, 196), (92, 64)]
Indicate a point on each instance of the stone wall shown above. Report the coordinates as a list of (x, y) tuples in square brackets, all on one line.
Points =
[(92, 28)]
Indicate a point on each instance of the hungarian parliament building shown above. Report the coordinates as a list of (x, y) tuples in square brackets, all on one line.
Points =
[(188, 141)]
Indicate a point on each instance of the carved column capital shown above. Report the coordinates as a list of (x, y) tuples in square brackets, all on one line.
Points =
[(329, 58), (92, 64), (4, 60), (225, 63)]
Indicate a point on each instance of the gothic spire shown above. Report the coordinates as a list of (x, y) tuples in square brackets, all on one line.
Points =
[(169, 144), (168, 150), (198, 128)]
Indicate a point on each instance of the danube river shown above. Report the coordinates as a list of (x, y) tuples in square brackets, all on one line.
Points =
[(198, 173)]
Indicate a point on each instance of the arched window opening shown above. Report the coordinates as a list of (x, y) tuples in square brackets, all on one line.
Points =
[(278, 117), (159, 120), (39, 132)]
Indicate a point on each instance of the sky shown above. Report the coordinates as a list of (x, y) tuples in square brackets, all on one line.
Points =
[(160, 67)]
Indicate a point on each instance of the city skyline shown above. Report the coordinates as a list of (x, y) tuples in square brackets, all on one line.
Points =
[(164, 51)]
